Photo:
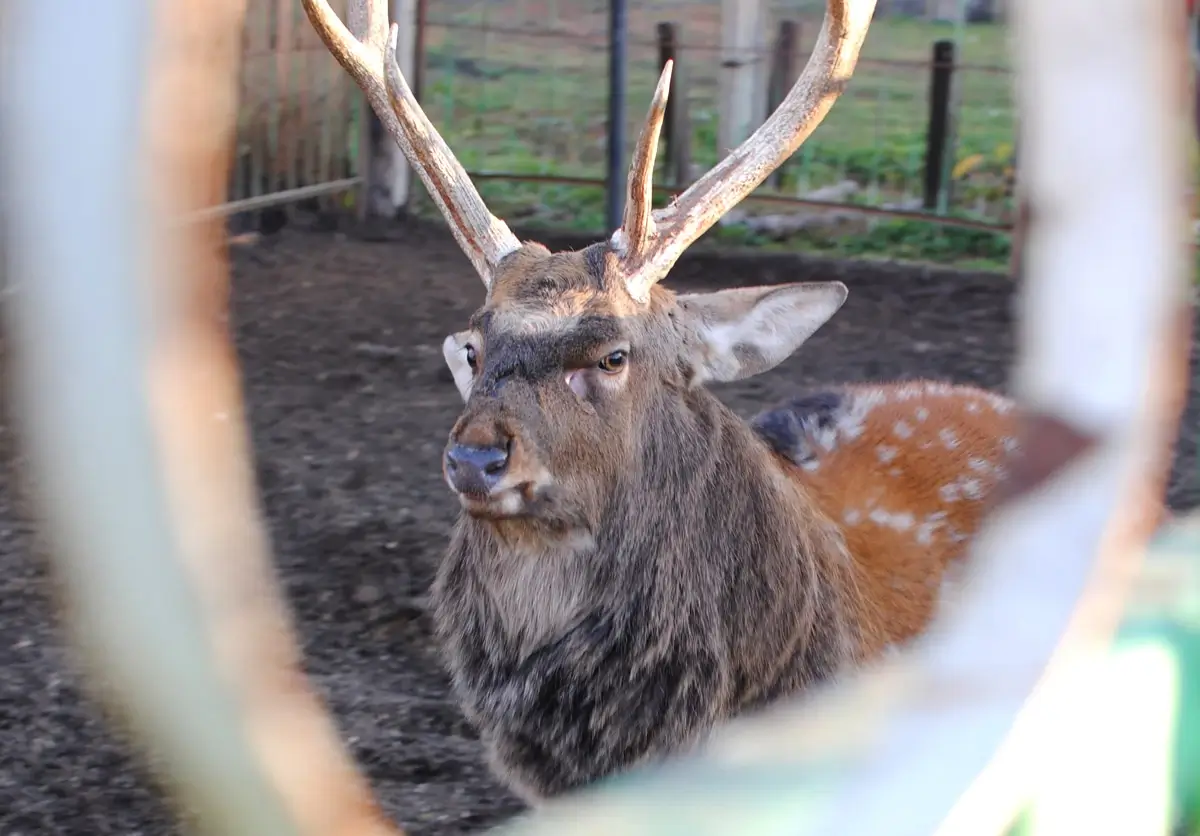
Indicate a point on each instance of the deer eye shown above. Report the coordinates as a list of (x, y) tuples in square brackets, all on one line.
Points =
[(613, 363), (472, 360)]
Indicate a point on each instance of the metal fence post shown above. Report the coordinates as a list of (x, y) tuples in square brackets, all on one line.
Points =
[(785, 70), (618, 61), (940, 79)]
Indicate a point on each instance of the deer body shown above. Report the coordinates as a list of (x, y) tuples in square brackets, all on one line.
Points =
[(904, 470), (633, 563), (623, 586)]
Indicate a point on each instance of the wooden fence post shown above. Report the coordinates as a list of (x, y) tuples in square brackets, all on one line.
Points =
[(418, 75), (785, 70), (387, 178), (677, 128)]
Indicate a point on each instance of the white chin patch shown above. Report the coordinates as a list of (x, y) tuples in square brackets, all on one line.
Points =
[(507, 503)]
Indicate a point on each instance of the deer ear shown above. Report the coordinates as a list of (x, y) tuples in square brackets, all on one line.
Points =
[(747, 330), (454, 349)]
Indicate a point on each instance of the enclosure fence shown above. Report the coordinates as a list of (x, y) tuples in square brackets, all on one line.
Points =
[(519, 90), (298, 115)]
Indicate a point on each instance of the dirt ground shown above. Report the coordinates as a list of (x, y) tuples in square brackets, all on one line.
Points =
[(350, 403)]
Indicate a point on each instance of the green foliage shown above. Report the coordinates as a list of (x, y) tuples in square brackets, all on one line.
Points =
[(927, 241), (508, 109), (891, 239)]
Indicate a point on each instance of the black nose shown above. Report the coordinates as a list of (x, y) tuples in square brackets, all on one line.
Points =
[(475, 470)]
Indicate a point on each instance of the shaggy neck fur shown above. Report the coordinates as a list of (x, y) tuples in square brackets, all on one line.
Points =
[(709, 587)]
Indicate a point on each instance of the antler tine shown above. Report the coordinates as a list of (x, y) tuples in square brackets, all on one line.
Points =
[(371, 62), (638, 224), (724, 186)]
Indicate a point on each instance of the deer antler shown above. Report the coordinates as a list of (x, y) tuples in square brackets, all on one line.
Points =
[(638, 224), (371, 62), (649, 243)]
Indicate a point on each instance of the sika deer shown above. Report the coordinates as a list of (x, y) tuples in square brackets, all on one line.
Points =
[(633, 563)]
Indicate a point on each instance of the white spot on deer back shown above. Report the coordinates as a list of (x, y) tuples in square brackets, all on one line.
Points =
[(825, 437), (929, 527), (886, 453), (902, 521), (852, 421), (965, 487), (922, 413), (902, 429), (949, 439), (852, 516), (998, 403), (979, 465)]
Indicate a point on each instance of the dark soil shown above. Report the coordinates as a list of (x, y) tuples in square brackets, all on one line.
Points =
[(340, 343)]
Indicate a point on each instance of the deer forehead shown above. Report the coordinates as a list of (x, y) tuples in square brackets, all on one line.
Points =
[(538, 291), (550, 318), (554, 314)]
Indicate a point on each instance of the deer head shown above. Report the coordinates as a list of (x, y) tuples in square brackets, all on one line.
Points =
[(575, 357)]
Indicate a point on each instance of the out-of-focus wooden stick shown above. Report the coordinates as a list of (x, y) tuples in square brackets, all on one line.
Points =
[(120, 123)]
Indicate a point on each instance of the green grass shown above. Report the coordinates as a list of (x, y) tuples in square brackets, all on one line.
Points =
[(521, 104)]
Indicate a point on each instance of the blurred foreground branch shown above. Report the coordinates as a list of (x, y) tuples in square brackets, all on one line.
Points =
[(131, 407)]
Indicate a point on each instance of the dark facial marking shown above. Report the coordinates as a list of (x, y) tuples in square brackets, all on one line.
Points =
[(592, 335), (535, 357)]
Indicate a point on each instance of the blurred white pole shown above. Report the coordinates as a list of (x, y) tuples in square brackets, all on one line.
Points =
[(79, 251), (1100, 378), (119, 121)]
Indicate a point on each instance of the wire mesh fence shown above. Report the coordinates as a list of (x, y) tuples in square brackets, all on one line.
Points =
[(519, 89)]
